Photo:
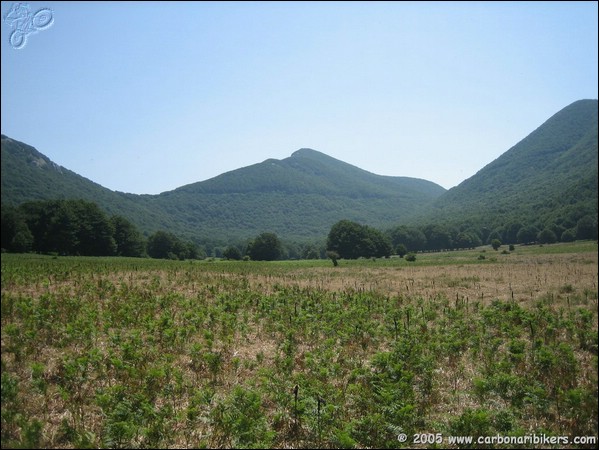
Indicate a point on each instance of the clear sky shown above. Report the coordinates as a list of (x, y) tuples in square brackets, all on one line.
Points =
[(147, 97)]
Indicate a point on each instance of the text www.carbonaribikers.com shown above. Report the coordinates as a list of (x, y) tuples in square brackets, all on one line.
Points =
[(528, 439), (542, 439)]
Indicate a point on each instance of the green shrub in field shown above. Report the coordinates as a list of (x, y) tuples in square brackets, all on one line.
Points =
[(239, 420)]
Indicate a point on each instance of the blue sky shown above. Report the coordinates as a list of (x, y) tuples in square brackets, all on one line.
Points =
[(147, 97)]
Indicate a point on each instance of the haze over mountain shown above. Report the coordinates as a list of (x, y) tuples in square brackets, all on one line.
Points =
[(547, 179)]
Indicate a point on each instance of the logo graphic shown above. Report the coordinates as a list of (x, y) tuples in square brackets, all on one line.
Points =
[(25, 23)]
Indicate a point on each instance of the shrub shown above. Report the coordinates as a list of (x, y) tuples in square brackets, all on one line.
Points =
[(241, 421), (334, 256), (401, 250)]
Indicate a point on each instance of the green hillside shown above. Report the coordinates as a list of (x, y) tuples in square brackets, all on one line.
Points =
[(548, 177), (299, 197), (308, 171), (547, 180), (29, 175)]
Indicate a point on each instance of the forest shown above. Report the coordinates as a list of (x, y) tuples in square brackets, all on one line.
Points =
[(79, 227)]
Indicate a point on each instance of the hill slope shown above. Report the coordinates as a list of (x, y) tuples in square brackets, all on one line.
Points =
[(299, 197), (29, 175), (549, 176)]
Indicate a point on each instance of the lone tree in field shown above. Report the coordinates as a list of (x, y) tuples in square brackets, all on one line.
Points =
[(334, 256), (495, 243)]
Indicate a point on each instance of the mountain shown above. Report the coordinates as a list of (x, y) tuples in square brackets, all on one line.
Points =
[(549, 179), (550, 176), (29, 175), (299, 197)]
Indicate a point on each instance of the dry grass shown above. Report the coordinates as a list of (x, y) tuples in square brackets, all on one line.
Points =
[(270, 327), (522, 278)]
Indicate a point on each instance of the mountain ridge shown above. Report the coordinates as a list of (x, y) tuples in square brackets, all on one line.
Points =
[(548, 179), (306, 163), (299, 197)]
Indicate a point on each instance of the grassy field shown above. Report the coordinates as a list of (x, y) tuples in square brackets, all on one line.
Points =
[(128, 353)]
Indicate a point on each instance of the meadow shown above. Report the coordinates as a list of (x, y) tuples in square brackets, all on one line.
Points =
[(140, 353)]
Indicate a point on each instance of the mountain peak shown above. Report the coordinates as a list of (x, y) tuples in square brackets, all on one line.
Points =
[(306, 152)]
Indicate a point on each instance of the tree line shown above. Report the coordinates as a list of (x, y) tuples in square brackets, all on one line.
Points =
[(447, 237), (351, 240), (79, 227)]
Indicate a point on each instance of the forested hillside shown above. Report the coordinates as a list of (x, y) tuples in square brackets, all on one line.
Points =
[(299, 197), (28, 175), (546, 181), (542, 189)]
